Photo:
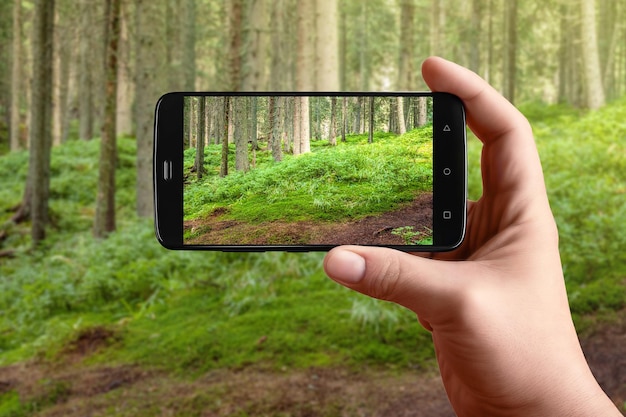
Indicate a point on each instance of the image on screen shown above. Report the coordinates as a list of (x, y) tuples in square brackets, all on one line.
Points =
[(312, 170)]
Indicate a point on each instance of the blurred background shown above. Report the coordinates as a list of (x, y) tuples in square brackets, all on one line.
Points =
[(97, 319)]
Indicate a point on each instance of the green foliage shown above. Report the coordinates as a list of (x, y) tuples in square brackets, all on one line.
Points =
[(193, 311), (414, 237), (350, 180)]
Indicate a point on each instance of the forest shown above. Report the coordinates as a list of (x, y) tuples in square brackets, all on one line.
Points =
[(339, 191), (96, 318)]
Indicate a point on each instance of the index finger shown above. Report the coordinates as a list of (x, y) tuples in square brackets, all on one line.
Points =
[(510, 160)]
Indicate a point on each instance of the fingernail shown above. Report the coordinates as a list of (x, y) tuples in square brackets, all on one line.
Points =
[(346, 267)]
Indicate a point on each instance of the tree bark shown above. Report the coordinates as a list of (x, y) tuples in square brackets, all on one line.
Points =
[(201, 125), (592, 72), (85, 82), (149, 82), (16, 77), (105, 202), (40, 138), (332, 134), (401, 120), (326, 46), (510, 32), (370, 138), (241, 141), (224, 163), (405, 60), (255, 49), (236, 43)]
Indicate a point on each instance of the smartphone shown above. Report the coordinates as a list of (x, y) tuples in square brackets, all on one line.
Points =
[(309, 171)]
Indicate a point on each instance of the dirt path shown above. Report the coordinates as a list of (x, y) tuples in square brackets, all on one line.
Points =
[(372, 230), (70, 388)]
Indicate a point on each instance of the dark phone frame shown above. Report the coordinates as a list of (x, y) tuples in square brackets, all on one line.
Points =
[(449, 154)]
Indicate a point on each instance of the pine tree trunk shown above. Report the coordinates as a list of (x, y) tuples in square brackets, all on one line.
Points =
[(236, 43), (332, 134), (149, 85), (199, 160), (255, 49), (124, 116), (241, 140), (105, 202), (592, 72), (401, 120), (326, 46), (224, 162), (510, 69), (405, 67), (16, 77), (85, 82), (275, 130), (370, 138), (38, 181)]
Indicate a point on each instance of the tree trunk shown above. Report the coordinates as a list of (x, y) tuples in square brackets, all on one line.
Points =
[(344, 118), (236, 43), (255, 49), (38, 181), (401, 120), (16, 77), (149, 85), (241, 141), (85, 82), (370, 138), (105, 202), (189, 45), (124, 116), (275, 130), (201, 125), (592, 72), (305, 58), (510, 31), (305, 125), (422, 111), (405, 66), (224, 163), (332, 134), (326, 46)]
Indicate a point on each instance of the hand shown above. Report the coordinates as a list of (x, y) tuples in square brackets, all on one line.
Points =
[(496, 306)]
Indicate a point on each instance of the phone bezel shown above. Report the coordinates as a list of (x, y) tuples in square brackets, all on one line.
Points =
[(449, 153)]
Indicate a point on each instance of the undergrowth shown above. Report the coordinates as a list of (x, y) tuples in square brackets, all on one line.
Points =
[(193, 311)]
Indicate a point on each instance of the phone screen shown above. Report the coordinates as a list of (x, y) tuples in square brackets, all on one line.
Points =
[(311, 171)]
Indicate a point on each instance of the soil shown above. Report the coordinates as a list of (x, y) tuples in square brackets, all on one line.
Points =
[(69, 387), (371, 230)]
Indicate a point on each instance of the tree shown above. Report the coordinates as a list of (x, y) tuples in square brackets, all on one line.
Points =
[(224, 161), (85, 83), (150, 76), (592, 71), (37, 188), (401, 121), (274, 108), (332, 131), (241, 140), (235, 41), (370, 137), (200, 137), (326, 46), (16, 79), (105, 201), (255, 46), (510, 31)]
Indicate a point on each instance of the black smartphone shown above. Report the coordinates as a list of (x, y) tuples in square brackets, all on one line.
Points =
[(310, 171)]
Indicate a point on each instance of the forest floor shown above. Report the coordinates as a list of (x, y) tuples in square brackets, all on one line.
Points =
[(371, 230), (69, 386)]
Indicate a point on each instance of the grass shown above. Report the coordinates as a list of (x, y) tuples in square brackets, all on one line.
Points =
[(349, 181), (189, 312)]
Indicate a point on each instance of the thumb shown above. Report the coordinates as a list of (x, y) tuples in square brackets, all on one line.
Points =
[(420, 284)]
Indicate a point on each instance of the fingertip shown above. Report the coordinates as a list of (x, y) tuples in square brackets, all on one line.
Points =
[(344, 266)]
